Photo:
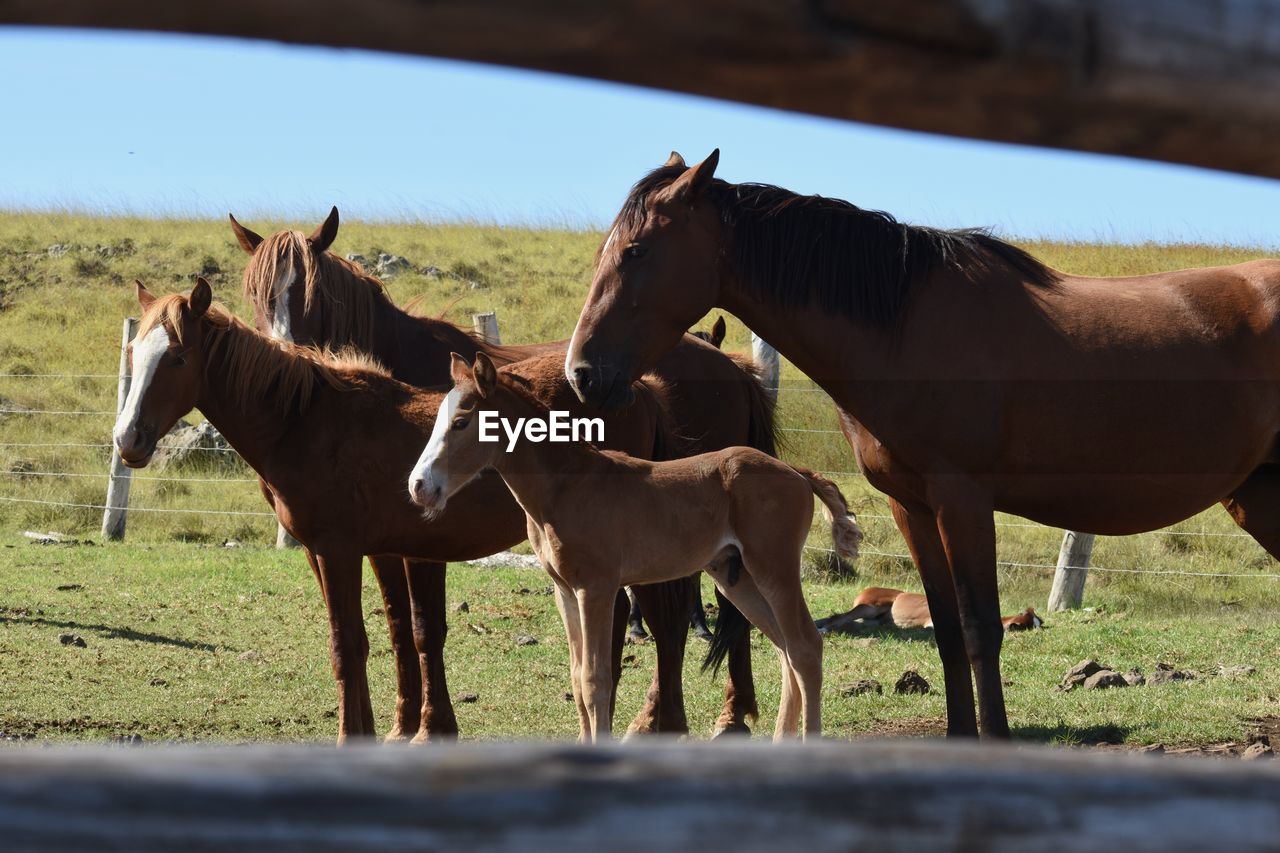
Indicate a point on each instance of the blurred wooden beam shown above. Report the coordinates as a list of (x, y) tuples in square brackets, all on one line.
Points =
[(1187, 81), (905, 795)]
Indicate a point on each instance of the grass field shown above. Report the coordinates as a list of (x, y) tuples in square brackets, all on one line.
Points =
[(237, 635)]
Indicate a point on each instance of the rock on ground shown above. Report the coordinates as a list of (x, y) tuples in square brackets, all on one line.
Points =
[(863, 687), (1103, 679), (199, 446)]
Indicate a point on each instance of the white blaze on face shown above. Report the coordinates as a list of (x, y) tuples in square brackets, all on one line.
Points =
[(280, 323), (430, 468), (146, 358)]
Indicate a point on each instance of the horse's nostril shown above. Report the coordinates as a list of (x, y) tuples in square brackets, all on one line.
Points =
[(582, 377)]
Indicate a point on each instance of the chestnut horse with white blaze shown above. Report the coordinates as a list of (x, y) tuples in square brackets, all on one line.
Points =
[(739, 512), (969, 377), (331, 438), (301, 292)]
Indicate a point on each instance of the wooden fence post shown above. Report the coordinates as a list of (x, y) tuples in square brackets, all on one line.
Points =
[(117, 503), (486, 326), (1073, 568), (771, 366)]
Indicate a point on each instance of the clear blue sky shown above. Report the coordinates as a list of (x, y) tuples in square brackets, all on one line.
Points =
[(157, 124)]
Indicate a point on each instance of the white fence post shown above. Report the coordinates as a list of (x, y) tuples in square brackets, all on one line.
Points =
[(283, 539), (117, 504), (486, 327), (1073, 568), (770, 365)]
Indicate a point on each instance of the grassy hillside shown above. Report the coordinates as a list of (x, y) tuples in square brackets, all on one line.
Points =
[(191, 640)]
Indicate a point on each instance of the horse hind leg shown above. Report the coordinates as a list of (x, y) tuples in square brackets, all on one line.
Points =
[(1255, 506), (392, 575)]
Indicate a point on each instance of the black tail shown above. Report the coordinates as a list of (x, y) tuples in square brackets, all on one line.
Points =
[(731, 627), (763, 435)]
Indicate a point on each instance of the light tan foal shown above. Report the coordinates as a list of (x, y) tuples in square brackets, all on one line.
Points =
[(600, 520)]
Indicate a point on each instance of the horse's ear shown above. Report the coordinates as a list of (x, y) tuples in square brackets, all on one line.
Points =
[(676, 160), (324, 235), (689, 186), (145, 297), (459, 369), (200, 299), (249, 241), (717, 333), (486, 375)]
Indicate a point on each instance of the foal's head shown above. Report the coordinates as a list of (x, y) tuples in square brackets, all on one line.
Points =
[(301, 293), (715, 337), (454, 455), (167, 362)]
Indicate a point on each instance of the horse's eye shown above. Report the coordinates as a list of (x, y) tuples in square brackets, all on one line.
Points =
[(635, 250), (459, 423), (179, 361)]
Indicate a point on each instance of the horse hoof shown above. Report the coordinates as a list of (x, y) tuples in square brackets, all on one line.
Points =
[(731, 730), (396, 736), (636, 639), (703, 634)]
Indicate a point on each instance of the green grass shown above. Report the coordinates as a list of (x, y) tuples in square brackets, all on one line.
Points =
[(238, 639), (60, 312)]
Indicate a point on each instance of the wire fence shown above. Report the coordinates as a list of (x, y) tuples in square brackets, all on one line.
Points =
[(17, 474)]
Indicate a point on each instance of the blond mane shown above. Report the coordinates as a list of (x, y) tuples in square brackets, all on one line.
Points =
[(285, 375), (348, 297)]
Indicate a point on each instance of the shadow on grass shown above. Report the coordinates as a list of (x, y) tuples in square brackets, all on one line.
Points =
[(19, 617), (1065, 733)]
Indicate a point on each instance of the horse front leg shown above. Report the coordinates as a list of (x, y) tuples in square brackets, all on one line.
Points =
[(437, 720), (666, 610), (740, 687), (392, 576), (966, 527), (920, 528), (348, 644)]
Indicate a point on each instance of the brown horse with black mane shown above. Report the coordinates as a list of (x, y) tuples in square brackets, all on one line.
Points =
[(332, 438), (303, 293), (969, 377)]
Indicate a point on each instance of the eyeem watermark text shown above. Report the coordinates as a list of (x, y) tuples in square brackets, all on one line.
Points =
[(558, 427)]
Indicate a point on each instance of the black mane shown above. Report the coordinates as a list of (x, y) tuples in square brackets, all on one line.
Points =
[(863, 264)]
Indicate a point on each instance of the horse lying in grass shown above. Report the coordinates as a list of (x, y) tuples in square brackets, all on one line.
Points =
[(883, 606), (331, 439), (598, 520), (303, 293)]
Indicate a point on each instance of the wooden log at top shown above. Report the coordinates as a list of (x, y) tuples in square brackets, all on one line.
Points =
[(666, 796), (1188, 81)]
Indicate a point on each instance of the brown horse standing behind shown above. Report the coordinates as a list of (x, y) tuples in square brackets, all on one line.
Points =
[(303, 293), (740, 512), (970, 378), (332, 440)]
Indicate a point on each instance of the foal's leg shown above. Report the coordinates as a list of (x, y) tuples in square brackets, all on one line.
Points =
[(567, 604), (666, 610), (1255, 506), (348, 644), (747, 597), (595, 608), (920, 528), (437, 721), (391, 573), (967, 529)]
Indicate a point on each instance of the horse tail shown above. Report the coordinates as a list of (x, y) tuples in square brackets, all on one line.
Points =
[(846, 535), (731, 626)]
